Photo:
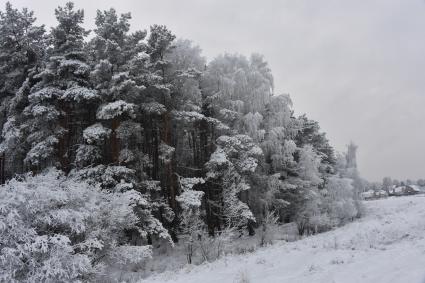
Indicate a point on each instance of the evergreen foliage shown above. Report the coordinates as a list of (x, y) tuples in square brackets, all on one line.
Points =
[(134, 139)]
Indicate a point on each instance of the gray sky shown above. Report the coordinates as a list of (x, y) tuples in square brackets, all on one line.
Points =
[(356, 66)]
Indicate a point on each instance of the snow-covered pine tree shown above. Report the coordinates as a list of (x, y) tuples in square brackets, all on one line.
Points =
[(21, 48), (228, 172), (22, 45), (61, 103), (121, 75)]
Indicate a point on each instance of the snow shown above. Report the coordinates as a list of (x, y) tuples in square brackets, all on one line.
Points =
[(248, 164), (255, 151), (166, 152), (79, 67), (218, 157), (41, 150), (416, 188), (190, 116), (53, 228), (49, 112), (80, 94), (399, 190), (46, 93), (193, 116), (190, 198), (96, 132), (115, 109), (189, 183), (386, 245), (368, 194), (154, 108)]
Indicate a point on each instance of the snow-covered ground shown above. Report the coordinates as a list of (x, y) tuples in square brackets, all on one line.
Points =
[(386, 245)]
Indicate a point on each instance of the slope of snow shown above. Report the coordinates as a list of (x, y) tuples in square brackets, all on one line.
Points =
[(386, 245)]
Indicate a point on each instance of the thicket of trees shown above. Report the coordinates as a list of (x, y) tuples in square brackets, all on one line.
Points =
[(150, 143)]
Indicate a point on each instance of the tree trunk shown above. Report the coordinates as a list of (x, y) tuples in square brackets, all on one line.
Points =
[(115, 146)]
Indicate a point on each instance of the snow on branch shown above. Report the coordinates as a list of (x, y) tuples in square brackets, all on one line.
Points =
[(95, 133), (153, 108), (116, 109), (80, 94)]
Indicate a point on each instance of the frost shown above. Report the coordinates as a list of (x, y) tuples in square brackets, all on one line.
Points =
[(193, 116), (87, 154), (154, 108), (80, 94), (57, 228), (96, 133), (166, 152), (128, 129), (124, 255), (106, 176), (124, 186), (116, 109), (248, 164), (189, 199), (47, 93), (218, 157), (188, 183), (41, 151), (11, 134), (77, 67), (188, 116), (49, 112), (255, 151), (152, 185), (229, 114), (126, 156), (143, 56)]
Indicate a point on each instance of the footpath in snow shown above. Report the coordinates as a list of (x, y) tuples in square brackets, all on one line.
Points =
[(387, 245)]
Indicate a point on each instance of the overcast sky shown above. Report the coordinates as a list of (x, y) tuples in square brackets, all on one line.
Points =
[(356, 66)]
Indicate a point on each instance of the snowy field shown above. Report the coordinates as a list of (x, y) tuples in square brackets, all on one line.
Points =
[(386, 245)]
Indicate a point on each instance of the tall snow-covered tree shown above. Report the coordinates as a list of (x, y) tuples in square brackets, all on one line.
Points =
[(60, 104), (21, 48), (228, 172), (22, 45)]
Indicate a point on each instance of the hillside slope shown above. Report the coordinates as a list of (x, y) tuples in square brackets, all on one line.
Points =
[(386, 245)]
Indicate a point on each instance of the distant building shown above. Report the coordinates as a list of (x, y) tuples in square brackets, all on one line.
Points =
[(406, 190), (368, 195), (371, 194), (402, 190)]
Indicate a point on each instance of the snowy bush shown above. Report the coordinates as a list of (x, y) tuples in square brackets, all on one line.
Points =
[(266, 230), (56, 229)]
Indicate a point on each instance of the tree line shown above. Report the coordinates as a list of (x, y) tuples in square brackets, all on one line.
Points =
[(194, 147)]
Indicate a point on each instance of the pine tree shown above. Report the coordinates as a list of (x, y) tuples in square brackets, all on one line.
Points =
[(22, 46), (229, 168), (60, 104)]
